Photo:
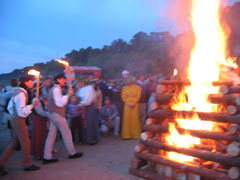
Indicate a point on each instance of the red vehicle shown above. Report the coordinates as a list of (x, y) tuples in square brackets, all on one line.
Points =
[(84, 71)]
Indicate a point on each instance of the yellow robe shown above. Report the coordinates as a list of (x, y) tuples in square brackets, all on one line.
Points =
[(131, 127)]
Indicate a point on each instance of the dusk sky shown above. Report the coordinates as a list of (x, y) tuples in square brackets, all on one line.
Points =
[(33, 31)]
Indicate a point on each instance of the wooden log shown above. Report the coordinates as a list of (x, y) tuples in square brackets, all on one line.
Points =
[(224, 99), (234, 172), (206, 155), (147, 174), (233, 128), (150, 121), (233, 109), (188, 83), (230, 90), (184, 166), (163, 98), (233, 149), (140, 148), (155, 128), (213, 116), (137, 163), (146, 135)]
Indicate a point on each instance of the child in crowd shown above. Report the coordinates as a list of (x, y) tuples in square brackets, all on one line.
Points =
[(75, 113)]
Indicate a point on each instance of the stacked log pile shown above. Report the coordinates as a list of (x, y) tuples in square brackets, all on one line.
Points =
[(217, 161)]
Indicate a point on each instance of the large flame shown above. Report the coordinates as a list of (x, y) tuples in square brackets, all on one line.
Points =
[(207, 56)]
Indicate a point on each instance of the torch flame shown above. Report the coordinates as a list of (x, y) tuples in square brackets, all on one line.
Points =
[(33, 72), (207, 56), (62, 62), (175, 71)]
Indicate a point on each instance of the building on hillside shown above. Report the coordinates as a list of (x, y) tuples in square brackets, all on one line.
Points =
[(84, 71)]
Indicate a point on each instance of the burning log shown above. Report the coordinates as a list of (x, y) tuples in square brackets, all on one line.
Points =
[(217, 117), (233, 128), (187, 83), (163, 98), (233, 149), (230, 90), (184, 167), (154, 128), (226, 99), (206, 155), (148, 175), (234, 172), (233, 109), (137, 163)]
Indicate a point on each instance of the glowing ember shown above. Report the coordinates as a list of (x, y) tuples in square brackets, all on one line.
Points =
[(207, 56)]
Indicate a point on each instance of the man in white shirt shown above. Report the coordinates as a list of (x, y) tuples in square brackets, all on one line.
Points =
[(87, 94), (19, 110), (57, 117)]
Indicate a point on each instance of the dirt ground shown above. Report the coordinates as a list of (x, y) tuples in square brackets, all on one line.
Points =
[(107, 160)]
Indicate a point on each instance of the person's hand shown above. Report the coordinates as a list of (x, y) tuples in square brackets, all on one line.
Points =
[(70, 92), (35, 102)]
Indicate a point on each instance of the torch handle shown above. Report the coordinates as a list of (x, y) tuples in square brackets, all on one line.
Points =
[(38, 85), (69, 77)]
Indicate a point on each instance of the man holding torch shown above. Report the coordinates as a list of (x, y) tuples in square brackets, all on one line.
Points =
[(19, 110), (57, 117)]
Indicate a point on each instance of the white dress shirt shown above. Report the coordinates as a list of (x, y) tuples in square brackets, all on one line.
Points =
[(59, 99), (23, 110), (86, 94)]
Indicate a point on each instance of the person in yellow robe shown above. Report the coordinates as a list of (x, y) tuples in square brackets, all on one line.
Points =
[(131, 125)]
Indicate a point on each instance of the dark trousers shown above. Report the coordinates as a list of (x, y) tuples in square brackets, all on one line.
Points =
[(76, 128)]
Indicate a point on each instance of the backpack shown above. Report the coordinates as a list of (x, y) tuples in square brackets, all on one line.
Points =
[(6, 105)]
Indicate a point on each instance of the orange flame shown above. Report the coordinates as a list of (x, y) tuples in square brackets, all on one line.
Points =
[(65, 63), (207, 58), (33, 72)]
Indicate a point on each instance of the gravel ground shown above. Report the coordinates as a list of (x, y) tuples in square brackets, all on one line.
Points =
[(108, 160)]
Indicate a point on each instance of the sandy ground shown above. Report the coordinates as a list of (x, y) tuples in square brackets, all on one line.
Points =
[(107, 160)]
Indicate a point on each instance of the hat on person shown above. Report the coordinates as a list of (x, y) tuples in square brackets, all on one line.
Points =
[(59, 76), (125, 72), (25, 78)]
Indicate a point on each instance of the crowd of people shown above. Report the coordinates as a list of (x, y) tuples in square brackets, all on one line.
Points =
[(79, 114)]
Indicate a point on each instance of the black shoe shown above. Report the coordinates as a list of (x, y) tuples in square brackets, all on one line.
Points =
[(3, 172), (47, 161), (77, 155), (31, 168)]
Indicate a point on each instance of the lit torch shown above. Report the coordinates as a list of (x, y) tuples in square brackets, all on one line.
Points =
[(175, 71), (37, 75), (66, 64)]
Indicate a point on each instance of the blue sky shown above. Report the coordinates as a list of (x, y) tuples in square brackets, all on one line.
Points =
[(33, 31)]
